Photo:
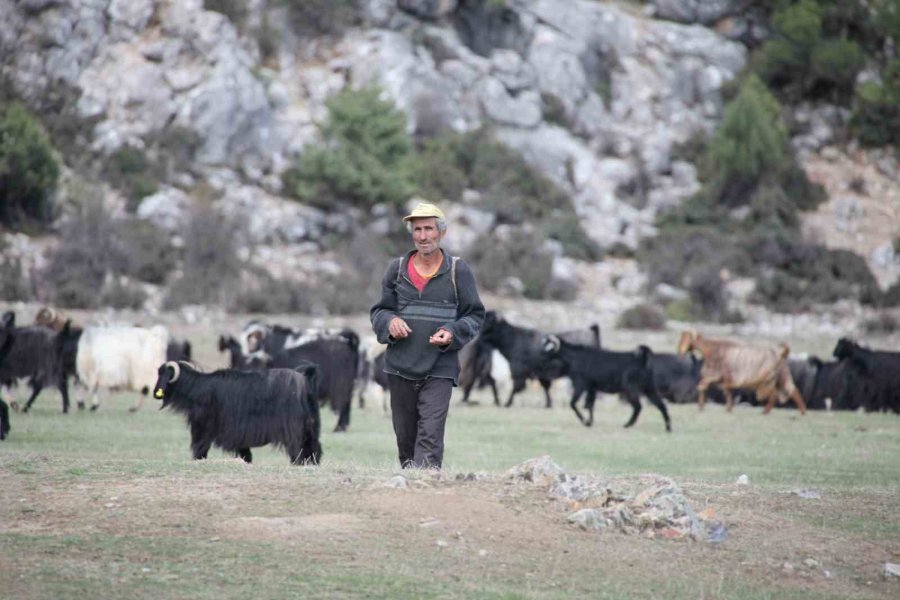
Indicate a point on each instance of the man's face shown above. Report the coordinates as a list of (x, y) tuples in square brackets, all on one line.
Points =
[(426, 235)]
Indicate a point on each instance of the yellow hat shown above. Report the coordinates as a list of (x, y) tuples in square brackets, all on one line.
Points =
[(424, 209)]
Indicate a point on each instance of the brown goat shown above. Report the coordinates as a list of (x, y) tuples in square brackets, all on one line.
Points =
[(48, 317), (763, 369)]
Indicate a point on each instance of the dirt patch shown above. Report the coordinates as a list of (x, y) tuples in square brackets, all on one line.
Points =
[(506, 533), (290, 528), (862, 212)]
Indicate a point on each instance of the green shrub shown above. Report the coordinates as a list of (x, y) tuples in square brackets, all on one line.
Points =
[(129, 170), (748, 144), (518, 255), (786, 56), (509, 186), (235, 10), (680, 310), (28, 171), (642, 316), (835, 64), (876, 111), (366, 158), (566, 229), (312, 18)]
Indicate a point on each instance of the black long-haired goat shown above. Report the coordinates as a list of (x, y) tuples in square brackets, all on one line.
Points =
[(8, 336), (873, 376), (593, 370), (38, 356), (239, 410)]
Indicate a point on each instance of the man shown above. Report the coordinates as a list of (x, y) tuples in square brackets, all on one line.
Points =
[(429, 309)]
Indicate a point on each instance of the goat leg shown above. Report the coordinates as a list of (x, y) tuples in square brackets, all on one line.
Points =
[(798, 400), (635, 403), (545, 383), (729, 399), (36, 387)]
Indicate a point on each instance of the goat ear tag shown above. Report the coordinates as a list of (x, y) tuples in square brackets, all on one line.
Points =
[(158, 393)]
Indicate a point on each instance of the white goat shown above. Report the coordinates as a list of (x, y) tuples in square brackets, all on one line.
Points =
[(120, 357)]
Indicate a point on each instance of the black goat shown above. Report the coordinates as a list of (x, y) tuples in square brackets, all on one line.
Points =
[(8, 336), (239, 410), (873, 377), (475, 362), (593, 370), (237, 360), (522, 348), (38, 356), (676, 377), (337, 357), (176, 351), (834, 385)]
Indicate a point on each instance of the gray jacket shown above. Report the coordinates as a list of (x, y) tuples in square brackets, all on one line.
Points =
[(456, 308)]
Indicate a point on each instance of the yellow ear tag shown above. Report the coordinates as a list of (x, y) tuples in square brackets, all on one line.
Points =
[(158, 393)]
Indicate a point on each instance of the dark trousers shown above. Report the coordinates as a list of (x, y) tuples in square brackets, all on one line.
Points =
[(419, 411)]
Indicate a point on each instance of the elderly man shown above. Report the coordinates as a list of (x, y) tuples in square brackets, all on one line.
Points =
[(429, 309)]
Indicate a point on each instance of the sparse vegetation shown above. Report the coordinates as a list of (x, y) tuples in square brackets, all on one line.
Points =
[(494, 259), (211, 267), (366, 159), (642, 316)]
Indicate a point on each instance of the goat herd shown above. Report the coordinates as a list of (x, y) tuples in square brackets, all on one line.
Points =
[(279, 376)]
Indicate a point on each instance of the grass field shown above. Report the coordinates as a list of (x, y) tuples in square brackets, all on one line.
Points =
[(109, 505)]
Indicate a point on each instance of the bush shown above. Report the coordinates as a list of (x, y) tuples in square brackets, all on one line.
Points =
[(147, 251), (15, 282), (642, 316), (367, 157), (876, 111), (129, 170), (28, 171), (835, 64), (509, 186), (88, 249), (494, 260), (786, 56), (211, 269), (881, 324), (312, 18), (120, 293), (748, 144), (235, 10), (810, 55)]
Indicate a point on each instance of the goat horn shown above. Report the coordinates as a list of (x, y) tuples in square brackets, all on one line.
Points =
[(554, 341), (51, 313), (175, 368)]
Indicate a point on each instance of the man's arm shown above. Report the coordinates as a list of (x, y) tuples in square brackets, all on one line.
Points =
[(385, 309), (470, 313)]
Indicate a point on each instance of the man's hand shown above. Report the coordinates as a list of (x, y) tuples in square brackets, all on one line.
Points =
[(441, 337), (398, 328)]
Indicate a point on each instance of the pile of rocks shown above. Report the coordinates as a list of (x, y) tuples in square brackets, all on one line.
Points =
[(658, 509)]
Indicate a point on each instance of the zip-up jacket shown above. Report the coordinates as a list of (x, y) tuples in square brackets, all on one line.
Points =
[(453, 305)]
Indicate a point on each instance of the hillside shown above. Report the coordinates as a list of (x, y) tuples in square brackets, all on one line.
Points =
[(202, 161)]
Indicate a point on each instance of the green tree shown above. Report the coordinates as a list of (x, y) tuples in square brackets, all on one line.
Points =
[(749, 143), (813, 52), (876, 111), (28, 171), (367, 156)]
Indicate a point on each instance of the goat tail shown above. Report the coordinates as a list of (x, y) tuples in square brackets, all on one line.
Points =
[(644, 353), (784, 350)]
